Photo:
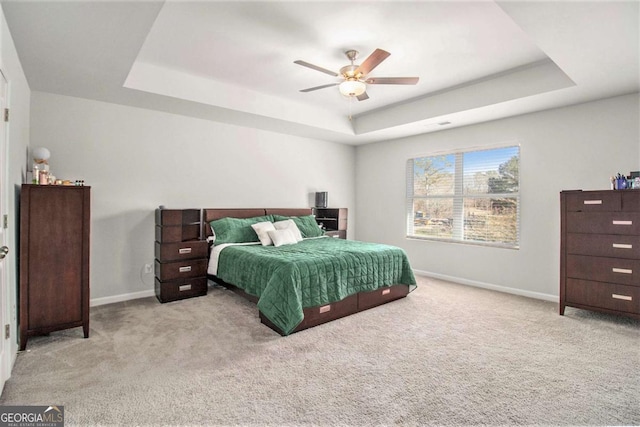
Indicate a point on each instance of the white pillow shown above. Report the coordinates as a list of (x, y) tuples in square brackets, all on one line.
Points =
[(289, 224), (211, 239), (262, 230), (282, 237)]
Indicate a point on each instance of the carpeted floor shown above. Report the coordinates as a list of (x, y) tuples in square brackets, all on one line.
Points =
[(445, 355)]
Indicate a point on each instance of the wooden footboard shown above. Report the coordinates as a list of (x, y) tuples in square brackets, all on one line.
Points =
[(314, 316)]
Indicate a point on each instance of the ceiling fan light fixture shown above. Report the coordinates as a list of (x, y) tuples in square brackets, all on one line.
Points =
[(352, 88)]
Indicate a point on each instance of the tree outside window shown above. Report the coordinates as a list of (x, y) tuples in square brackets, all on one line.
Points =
[(466, 196)]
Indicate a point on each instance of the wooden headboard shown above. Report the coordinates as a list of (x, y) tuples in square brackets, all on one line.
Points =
[(209, 215)]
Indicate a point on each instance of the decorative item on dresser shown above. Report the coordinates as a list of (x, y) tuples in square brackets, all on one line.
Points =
[(600, 251), (181, 255), (333, 220), (54, 259)]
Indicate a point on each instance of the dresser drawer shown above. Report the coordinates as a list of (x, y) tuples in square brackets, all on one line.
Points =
[(180, 289), (181, 269), (621, 271), (181, 250), (603, 222), (605, 245), (631, 201), (604, 295), (581, 201)]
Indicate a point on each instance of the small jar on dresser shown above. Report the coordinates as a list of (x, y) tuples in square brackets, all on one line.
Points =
[(181, 255), (600, 251)]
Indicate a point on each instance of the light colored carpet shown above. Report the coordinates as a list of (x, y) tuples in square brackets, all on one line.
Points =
[(445, 355)]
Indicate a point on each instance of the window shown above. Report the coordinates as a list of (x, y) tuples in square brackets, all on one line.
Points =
[(465, 196)]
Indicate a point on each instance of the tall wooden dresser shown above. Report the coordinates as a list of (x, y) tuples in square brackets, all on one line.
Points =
[(54, 259), (181, 255), (600, 251)]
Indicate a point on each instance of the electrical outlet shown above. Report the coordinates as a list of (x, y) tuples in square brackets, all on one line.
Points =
[(148, 268)]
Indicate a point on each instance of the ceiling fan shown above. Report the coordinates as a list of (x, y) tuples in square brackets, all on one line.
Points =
[(354, 77)]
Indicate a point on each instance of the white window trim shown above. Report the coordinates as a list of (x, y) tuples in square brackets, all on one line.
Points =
[(458, 198)]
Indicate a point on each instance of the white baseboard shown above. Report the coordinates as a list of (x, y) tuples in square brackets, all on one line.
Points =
[(537, 295), (477, 284), (123, 297)]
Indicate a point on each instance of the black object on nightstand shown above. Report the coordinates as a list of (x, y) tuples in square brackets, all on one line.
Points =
[(334, 221), (181, 255)]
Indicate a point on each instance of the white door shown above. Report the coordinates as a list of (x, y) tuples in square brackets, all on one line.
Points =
[(5, 345)]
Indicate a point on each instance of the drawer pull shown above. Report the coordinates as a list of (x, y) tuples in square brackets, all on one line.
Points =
[(622, 297), (183, 251), (325, 309), (386, 291), (622, 246), (183, 288), (592, 202), (615, 222), (622, 270), (185, 269)]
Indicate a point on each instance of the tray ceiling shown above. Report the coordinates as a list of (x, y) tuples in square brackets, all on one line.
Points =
[(233, 61)]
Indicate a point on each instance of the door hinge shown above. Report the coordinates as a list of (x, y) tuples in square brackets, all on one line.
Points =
[(5, 221), (7, 331), (6, 114)]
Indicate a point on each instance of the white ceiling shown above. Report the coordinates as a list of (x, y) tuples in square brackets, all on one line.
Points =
[(233, 61)]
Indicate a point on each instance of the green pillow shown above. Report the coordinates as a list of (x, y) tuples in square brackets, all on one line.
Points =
[(236, 230), (306, 224)]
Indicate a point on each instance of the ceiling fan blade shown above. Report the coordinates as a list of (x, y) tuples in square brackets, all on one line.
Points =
[(363, 97), (372, 61), (319, 87), (315, 67), (392, 80)]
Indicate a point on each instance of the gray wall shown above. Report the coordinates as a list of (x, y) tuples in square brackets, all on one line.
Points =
[(136, 159), (577, 147)]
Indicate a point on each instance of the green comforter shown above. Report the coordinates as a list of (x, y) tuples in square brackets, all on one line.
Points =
[(310, 273)]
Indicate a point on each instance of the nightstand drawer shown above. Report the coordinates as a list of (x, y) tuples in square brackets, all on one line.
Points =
[(621, 271), (605, 245), (605, 295), (603, 222), (180, 289), (181, 269), (181, 250), (338, 234), (594, 202)]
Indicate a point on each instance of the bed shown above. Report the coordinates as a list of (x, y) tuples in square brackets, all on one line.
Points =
[(314, 280)]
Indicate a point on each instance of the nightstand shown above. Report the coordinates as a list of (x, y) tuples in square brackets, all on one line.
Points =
[(334, 221), (181, 255)]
